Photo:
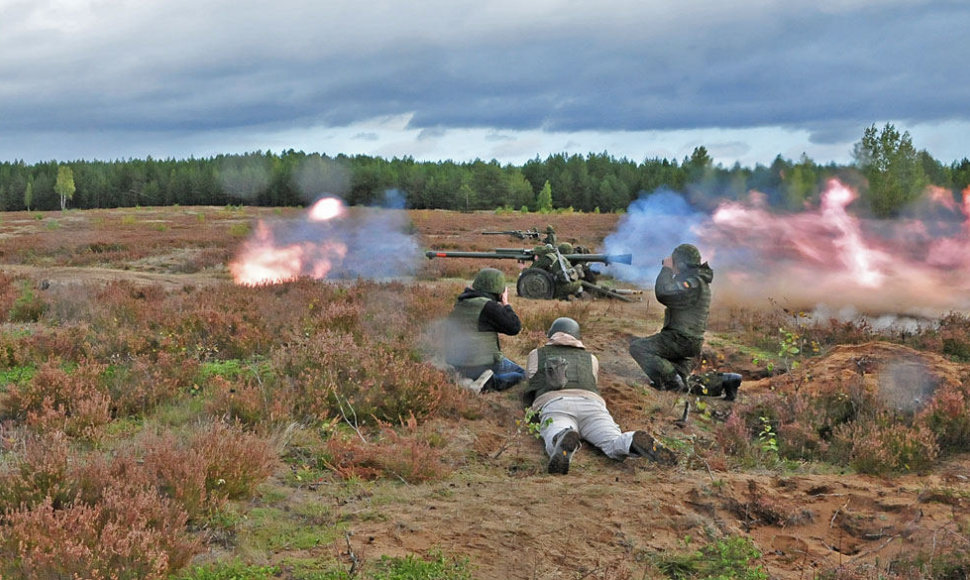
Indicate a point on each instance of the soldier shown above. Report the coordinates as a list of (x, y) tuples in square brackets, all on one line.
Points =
[(563, 390), (481, 313), (550, 236), (683, 286)]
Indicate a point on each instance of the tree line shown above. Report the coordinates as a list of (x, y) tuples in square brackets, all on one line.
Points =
[(888, 170)]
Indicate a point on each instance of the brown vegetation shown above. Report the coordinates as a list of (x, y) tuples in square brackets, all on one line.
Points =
[(154, 416)]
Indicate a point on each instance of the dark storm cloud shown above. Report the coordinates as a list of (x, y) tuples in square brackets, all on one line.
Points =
[(829, 67)]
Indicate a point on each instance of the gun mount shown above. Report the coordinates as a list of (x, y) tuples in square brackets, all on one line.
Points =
[(551, 274)]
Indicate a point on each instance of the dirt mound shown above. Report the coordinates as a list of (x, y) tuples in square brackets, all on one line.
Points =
[(900, 377)]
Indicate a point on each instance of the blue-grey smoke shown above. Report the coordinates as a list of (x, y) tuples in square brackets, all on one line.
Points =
[(652, 227), (378, 242)]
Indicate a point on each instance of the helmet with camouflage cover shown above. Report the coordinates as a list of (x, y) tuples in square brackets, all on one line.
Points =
[(489, 280), (686, 256), (565, 248), (564, 324)]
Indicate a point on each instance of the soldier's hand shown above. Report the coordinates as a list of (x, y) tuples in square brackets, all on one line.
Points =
[(505, 296), (668, 262)]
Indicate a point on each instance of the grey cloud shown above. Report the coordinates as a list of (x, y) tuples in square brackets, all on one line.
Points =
[(498, 137), (431, 133), (827, 133), (831, 71)]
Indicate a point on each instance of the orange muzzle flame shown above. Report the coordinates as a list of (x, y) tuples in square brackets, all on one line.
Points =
[(266, 260)]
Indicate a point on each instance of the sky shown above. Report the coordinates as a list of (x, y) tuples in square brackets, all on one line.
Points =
[(496, 80)]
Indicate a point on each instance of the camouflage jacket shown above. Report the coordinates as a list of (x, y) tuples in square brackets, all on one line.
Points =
[(687, 297)]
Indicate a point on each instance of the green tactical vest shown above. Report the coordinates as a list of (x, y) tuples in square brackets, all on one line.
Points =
[(470, 347), (578, 370)]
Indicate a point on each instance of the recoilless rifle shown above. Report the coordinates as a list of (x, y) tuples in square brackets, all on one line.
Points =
[(551, 274)]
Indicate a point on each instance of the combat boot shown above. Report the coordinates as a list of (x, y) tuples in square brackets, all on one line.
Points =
[(643, 445), (731, 383), (676, 384), (566, 446)]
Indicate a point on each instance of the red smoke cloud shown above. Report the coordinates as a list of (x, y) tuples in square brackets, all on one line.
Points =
[(828, 256)]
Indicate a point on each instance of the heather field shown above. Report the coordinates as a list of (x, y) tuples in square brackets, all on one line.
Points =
[(160, 420)]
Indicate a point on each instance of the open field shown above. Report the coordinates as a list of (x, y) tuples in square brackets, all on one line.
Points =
[(158, 420)]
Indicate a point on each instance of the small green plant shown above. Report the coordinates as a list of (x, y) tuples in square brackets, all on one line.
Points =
[(28, 307), (791, 349), (412, 568), (239, 230), (228, 571), (735, 558), (233, 369), (759, 360), (767, 436), (19, 375), (532, 424)]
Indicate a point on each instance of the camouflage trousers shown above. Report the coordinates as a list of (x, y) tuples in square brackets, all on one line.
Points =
[(668, 355), (665, 355)]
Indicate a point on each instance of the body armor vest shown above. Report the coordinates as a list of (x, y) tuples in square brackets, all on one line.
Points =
[(470, 347), (563, 367)]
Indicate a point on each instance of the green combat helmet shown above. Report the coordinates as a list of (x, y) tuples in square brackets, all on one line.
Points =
[(686, 256), (550, 235), (489, 280), (564, 324)]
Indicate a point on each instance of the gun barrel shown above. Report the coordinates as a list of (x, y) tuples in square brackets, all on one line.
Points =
[(510, 255), (604, 258), (521, 234)]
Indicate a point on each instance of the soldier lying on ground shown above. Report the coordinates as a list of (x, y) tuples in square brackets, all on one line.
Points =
[(563, 390)]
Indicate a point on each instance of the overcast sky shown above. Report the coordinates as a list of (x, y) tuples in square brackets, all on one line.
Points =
[(489, 79)]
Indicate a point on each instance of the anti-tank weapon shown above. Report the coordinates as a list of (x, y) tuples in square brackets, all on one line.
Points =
[(551, 274)]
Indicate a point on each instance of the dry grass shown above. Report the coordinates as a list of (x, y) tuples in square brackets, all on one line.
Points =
[(142, 423)]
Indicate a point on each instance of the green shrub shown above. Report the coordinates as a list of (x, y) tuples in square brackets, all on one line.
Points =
[(438, 567), (228, 571), (29, 306), (732, 558)]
